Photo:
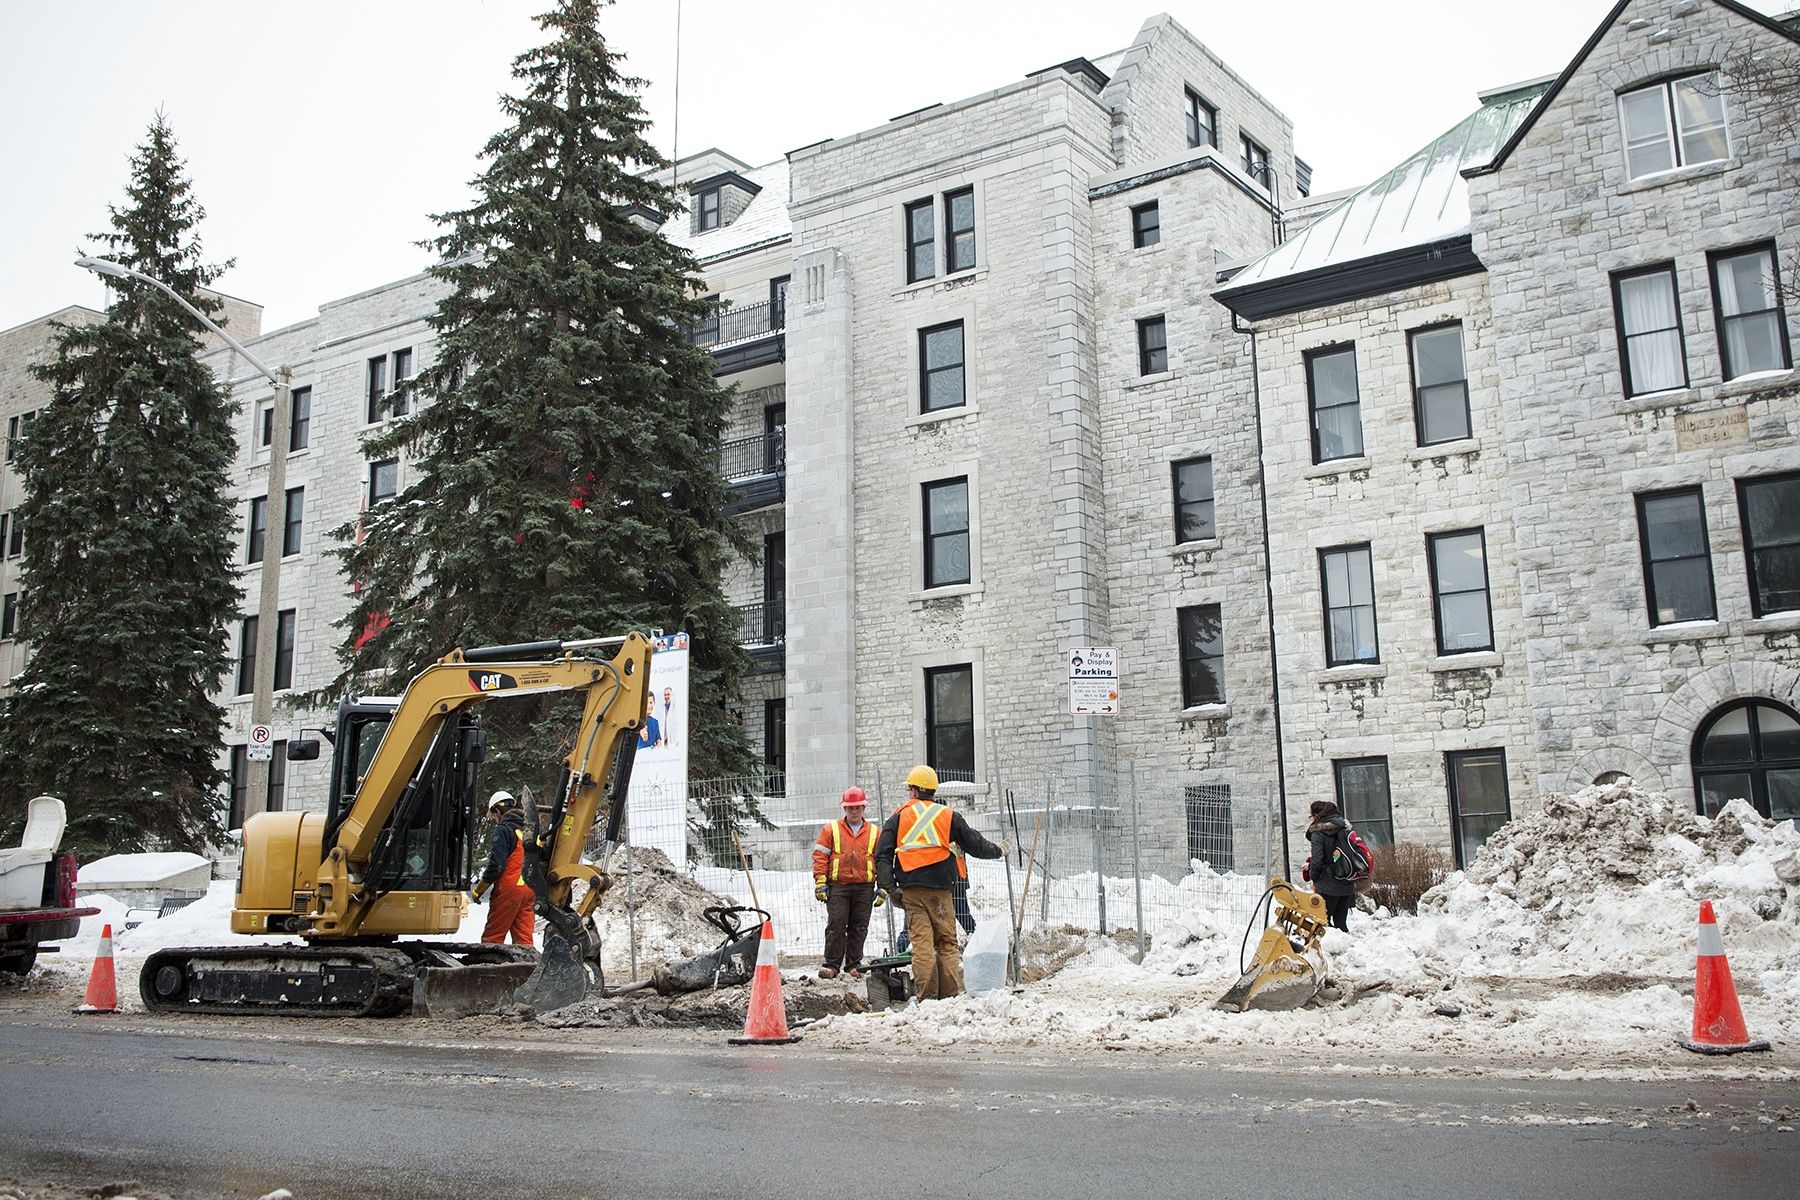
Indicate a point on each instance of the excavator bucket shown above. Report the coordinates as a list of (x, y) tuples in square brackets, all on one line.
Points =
[(568, 966), (1289, 967)]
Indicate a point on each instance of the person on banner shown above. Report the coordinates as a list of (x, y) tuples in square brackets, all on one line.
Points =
[(650, 732), (844, 880), (668, 721), (914, 860), (510, 911)]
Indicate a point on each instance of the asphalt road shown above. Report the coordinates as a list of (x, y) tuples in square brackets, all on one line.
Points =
[(203, 1109)]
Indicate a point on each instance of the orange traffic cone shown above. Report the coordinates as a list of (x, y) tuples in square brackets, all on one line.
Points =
[(765, 1024), (1718, 1021), (103, 987)]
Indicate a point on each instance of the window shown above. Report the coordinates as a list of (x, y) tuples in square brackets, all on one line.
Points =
[(1747, 305), (1255, 160), (15, 541), (950, 722), (1677, 561), (1440, 385), (706, 210), (1153, 346), (284, 650), (276, 799), (1479, 803), (403, 373), (1194, 500), (300, 419), (1459, 584), (774, 437), (1650, 342), (959, 230), (1202, 121), (1209, 829), (290, 532), (377, 388), (774, 627), (1146, 225), (947, 532), (5, 523), (1680, 123), (16, 429), (1336, 408), (384, 480), (259, 525), (9, 615), (240, 784), (774, 747), (942, 382), (921, 241), (246, 671), (1770, 511), (1364, 798), (1749, 750), (383, 401), (778, 290), (266, 425), (1349, 588), (1202, 634)]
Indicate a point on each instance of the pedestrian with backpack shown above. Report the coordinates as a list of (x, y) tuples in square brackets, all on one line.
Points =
[(1331, 867)]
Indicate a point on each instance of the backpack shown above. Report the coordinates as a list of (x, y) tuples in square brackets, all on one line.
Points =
[(1352, 861)]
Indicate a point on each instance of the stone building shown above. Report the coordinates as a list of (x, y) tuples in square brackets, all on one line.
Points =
[(1480, 481)]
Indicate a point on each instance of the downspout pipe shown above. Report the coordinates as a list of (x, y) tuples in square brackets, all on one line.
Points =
[(1268, 587)]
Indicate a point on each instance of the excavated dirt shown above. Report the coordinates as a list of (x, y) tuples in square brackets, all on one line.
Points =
[(667, 908)]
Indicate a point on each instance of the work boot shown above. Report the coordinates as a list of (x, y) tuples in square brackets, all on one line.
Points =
[(855, 972), (828, 972)]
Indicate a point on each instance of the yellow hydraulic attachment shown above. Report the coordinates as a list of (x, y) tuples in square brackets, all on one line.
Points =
[(1289, 967)]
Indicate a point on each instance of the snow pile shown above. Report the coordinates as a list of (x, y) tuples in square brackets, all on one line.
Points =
[(667, 907)]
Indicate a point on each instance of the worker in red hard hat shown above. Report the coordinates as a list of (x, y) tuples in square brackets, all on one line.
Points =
[(844, 880)]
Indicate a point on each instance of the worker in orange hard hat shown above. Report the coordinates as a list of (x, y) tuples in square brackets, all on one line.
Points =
[(916, 859), (844, 879)]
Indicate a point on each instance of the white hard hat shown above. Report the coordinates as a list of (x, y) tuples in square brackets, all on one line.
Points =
[(500, 799)]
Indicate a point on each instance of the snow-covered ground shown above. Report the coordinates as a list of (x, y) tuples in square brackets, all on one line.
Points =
[(1571, 937)]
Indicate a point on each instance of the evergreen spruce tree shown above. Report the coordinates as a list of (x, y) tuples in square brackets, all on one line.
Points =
[(128, 578), (562, 476)]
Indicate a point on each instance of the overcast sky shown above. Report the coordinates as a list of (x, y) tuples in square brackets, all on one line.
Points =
[(319, 134)]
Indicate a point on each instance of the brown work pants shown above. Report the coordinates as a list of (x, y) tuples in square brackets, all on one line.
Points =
[(931, 924), (847, 908), (509, 911)]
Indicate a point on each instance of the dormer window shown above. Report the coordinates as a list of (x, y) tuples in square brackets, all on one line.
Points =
[(718, 200), (1679, 123), (706, 210)]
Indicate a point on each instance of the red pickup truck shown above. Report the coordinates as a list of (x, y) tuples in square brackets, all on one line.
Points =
[(37, 889)]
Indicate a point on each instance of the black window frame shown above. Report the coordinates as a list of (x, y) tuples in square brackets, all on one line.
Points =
[(1332, 658), (286, 628), (1418, 389), (1650, 563), (1453, 759), (299, 419), (1619, 277), (1377, 831), (1756, 765), (238, 786), (1714, 258), (256, 530), (1186, 639), (9, 616), (15, 541), (919, 238), (376, 386), (775, 746), (1194, 105), (958, 237), (275, 793), (400, 397), (1210, 503), (1146, 232), (18, 426), (709, 209), (778, 290), (375, 476), (265, 436), (293, 516), (933, 537), (1753, 553), (928, 373), (1149, 362), (1432, 541), (1311, 360), (246, 664), (1255, 160), (936, 728)]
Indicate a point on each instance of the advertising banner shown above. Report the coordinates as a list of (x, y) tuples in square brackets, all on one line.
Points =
[(656, 805)]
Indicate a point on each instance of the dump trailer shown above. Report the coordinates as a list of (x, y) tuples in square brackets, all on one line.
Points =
[(388, 864), (37, 889)]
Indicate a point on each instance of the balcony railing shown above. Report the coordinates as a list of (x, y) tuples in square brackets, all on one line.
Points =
[(751, 457), (740, 321), (762, 624)]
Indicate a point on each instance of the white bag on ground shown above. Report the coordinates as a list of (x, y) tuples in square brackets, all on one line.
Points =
[(984, 958)]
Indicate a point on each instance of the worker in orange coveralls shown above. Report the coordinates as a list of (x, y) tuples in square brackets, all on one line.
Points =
[(510, 911)]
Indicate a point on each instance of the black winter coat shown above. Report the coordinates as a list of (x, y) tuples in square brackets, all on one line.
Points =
[(933, 875), (508, 833), (1325, 838)]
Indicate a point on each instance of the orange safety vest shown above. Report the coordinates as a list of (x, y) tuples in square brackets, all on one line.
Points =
[(962, 862), (861, 857), (513, 876), (924, 831)]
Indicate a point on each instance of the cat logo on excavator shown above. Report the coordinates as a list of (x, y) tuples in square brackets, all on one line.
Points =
[(491, 681)]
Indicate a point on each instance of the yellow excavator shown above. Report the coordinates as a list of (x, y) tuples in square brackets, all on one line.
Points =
[(1289, 967), (392, 856)]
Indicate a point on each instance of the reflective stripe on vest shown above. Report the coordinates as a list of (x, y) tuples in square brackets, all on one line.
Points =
[(926, 839), (837, 848)]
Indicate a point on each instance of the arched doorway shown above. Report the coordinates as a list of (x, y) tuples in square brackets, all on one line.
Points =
[(1749, 750)]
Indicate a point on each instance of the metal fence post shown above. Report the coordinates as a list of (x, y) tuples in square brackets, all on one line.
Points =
[(1137, 867), (1099, 857), (1049, 840), (887, 909)]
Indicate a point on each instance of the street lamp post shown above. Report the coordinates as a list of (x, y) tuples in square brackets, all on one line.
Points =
[(268, 608)]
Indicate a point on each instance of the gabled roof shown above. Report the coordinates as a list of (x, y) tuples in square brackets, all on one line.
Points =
[(1587, 48), (1422, 203)]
